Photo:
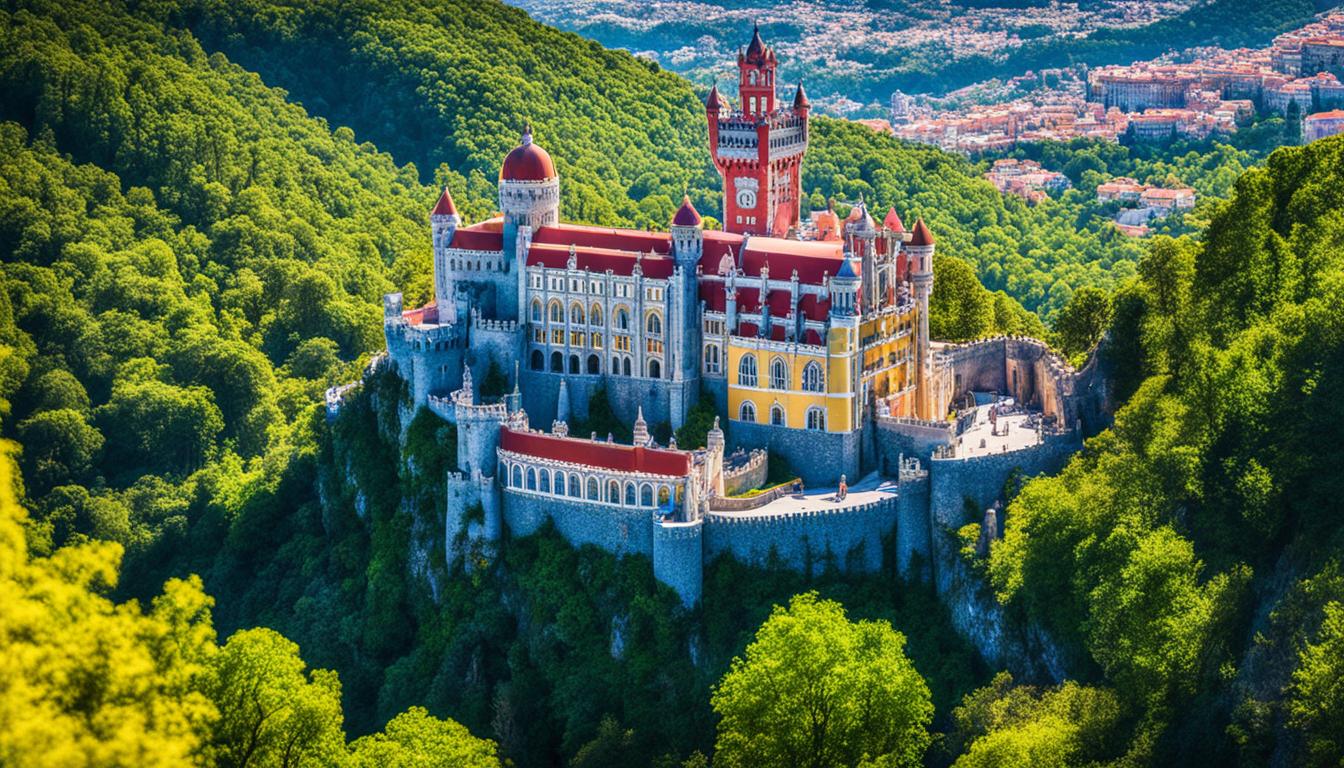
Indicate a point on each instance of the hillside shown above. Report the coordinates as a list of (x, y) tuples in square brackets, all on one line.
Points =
[(1191, 555)]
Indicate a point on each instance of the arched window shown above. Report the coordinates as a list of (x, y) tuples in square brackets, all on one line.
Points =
[(777, 415), (812, 381), (751, 77), (517, 476), (646, 495), (816, 419), (614, 492), (576, 314), (747, 412), (653, 324), (538, 360), (531, 479), (536, 310), (574, 364), (545, 485), (595, 315), (557, 362), (559, 483), (629, 494), (593, 494), (655, 370), (574, 488), (625, 366), (712, 358), (622, 319), (557, 312), (779, 374), (746, 371), (594, 364)]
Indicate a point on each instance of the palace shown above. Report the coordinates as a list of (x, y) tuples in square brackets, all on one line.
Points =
[(809, 335)]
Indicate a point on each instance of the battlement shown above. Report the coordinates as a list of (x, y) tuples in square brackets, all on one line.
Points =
[(790, 518), (479, 323)]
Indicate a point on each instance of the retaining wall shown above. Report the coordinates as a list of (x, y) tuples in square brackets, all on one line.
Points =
[(617, 530), (806, 541), (818, 457)]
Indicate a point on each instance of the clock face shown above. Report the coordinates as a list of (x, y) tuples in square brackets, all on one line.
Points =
[(746, 198)]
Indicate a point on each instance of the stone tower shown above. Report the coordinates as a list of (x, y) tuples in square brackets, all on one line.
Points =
[(758, 147), (688, 245), (443, 222), (920, 253), (529, 199)]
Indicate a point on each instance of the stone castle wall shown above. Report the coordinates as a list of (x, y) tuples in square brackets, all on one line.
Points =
[(618, 530), (818, 457), (626, 394), (678, 558), (746, 476), (851, 538)]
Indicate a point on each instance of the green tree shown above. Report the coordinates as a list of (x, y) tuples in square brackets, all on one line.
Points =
[(1082, 321), (60, 447), (271, 713), (416, 739), (1316, 696), (1011, 725), (815, 689), (158, 427)]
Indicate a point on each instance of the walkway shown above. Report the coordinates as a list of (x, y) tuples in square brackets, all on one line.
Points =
[(1016, 431), (869, 489)]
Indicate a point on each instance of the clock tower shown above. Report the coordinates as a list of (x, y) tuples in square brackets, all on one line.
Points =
[(758, 147)]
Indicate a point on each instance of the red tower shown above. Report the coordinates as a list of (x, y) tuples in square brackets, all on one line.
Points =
[(758, 147)]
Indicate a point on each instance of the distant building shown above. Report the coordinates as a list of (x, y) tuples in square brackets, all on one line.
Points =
[(1322, 124), (1026, 179)]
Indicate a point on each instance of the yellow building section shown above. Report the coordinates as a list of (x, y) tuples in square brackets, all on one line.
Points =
[(888, 360), (792, 399)]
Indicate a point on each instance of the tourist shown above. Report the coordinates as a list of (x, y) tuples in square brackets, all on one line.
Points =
[(843, 491)]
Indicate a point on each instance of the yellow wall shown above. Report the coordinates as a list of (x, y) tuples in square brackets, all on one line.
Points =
[(794, 401)]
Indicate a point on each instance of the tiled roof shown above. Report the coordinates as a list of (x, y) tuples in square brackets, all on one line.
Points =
[(622, 458)]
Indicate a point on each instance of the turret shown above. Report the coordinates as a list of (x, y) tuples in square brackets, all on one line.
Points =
[(845, 289), (641, 430), (919, 251), (443, 221), (688, 234), (561, 424)]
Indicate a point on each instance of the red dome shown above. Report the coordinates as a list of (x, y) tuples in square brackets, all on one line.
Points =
[(527, 162), (686, 216)]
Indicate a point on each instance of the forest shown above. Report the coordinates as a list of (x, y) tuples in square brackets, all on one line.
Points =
[(196, 228)]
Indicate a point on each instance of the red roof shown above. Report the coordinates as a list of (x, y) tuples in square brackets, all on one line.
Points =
[(426, 315), (713, 102), (777, 332), (686, 216), (892, 221), (445, 205), (813, 259), (810, 336), (747, 329), (717, 243), (1333, 114), (527, 162), (600, 260), (604, 237), (623, 458), (485, 236), (921, 235)]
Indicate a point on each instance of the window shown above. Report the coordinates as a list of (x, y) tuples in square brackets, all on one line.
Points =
[(629, 494), (595, 315), (646, 495), (517, 481), (812, 381), (746, 371), (816, 419), (622, 319), (747, 412), (574, 364), (777, 416), (576, 314), (594, 365), (557, 312), (653, 324), (593, 490), (536, 310), (531, 479), (538, 360), (545, 485), (557, 363), (712, 358), (574, 488), (560, 483), (614, 492), (625, 366), (779, 374), (655, 370)]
